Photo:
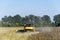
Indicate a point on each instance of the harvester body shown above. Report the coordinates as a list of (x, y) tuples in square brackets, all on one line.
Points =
[(29, 27)]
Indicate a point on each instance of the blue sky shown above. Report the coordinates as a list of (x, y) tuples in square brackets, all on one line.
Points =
[(26, 7)]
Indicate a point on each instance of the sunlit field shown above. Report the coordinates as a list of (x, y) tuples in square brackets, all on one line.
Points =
[(9, 33)]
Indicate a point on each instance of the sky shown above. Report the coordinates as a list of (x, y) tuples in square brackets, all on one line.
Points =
[(27, 7)]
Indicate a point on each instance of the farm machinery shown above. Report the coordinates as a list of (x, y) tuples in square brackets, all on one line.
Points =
[(27, 28)]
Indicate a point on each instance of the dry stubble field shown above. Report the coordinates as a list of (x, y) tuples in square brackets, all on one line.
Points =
[(9, 33)]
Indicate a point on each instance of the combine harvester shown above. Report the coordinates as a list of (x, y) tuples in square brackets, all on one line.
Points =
[(27, 28)]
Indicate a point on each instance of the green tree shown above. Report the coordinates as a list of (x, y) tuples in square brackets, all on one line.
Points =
[(5, 21), (34, 20), (46, 20), (0, 23), (12, 21), (57, 20), (17, 20)]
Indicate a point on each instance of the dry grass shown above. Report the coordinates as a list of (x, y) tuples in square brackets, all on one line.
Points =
[(43, 36), (52, 35), (10, 34)]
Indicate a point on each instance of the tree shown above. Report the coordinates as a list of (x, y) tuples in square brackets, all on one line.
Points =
[(12, 21), (34, 20), (5, 19), (46, 20), (31, 19), (57, 20), (0, 23), (17, 20)]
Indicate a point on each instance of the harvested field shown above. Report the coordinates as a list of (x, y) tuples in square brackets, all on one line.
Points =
[(9, 33)]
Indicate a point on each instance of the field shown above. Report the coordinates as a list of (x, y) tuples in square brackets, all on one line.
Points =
[(9, 33)]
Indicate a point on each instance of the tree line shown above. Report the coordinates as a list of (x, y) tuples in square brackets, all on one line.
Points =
[(37, 21)]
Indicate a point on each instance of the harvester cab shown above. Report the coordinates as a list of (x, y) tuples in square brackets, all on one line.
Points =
[(29, 27)]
